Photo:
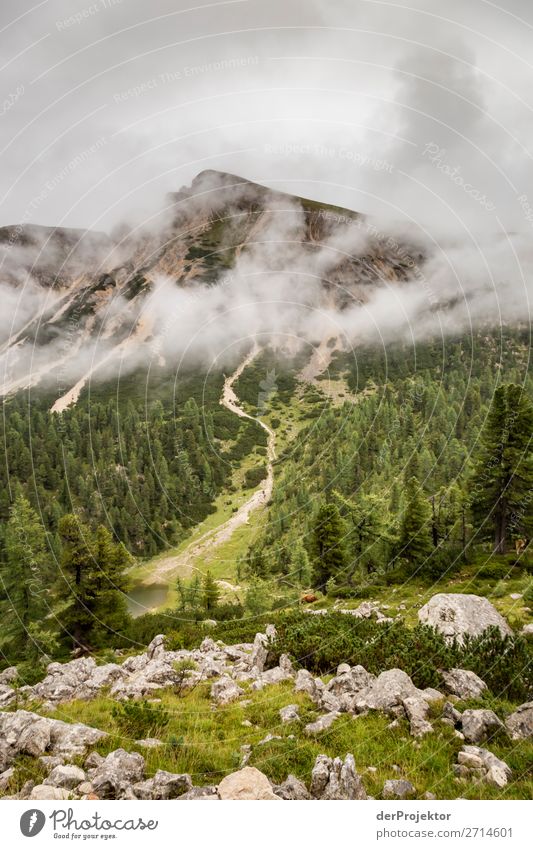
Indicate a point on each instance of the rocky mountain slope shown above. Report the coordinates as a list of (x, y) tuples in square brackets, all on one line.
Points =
[(88, 302)]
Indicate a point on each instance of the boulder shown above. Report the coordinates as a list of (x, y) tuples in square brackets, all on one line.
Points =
[(457, 614), (24, 732), (8, 676), (207, 793), (306, 683), (417, 710), (398, 788), (463, 683), (336, 779), (44, 792), (292, 789), (520, 723), (388, 690), (527, 630), (5, 778), (225, 690), (68, 777), (479, 725), (115, 775), (247, 783), (474, 762), (163, 785)]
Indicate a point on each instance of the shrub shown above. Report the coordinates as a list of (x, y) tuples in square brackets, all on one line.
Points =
[(504, 663), (140, 719)]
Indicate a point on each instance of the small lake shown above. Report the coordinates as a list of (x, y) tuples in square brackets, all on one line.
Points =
[(142, 599)]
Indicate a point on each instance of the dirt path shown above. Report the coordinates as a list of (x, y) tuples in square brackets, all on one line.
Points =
[(184, 562)]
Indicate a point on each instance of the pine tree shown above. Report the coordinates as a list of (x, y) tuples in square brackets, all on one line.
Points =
[(211, 593), (24, 583), (327, 544), (503, 478), (300, 567), (414, 543)]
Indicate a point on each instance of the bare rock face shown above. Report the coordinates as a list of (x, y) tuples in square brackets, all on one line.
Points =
[(247, 783), (520, 723), (463, 683), (336, 779), (479, 725), (455, 614)]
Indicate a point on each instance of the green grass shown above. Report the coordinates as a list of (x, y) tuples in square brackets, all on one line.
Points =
[(207, 744)]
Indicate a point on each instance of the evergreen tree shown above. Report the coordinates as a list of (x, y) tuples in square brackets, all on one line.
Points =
[(24, 584), (414, 543), (211, 593), (93, 583), (503, 477), (300, 566), (327, 544)]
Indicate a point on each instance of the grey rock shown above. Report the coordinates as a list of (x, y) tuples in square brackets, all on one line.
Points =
[(417, 710), (321, 724), (306, 683), (520, 723), (452, 714), (475, 762), (119, 770), (398, 788), (480, 725), (24, 732), (5, 778), (164, 785), (156, 647), (456, 614), (225, 690), (207, 793), (387, 691), (8, 676), (292, 789), (463, 683), (67, 776), (289, 714), (43, 792), (259, 652), (336, 779), (527, 630)]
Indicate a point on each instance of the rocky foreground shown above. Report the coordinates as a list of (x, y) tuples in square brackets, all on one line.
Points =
[(231, 668)]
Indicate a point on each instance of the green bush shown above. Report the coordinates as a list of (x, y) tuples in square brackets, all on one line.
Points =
[(504, 663), (140, 719)]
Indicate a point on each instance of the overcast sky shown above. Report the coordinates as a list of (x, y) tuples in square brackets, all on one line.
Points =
[(421, 113)]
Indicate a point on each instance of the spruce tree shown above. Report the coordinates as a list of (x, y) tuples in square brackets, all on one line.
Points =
[(327, 544), (414, 543), (24, 584), (503, 478), (211, 593)]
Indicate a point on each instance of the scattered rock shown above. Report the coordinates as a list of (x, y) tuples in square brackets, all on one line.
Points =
[(336, 779), (118, 771), (164, 785), (398, 788), (225, 690), (292, 789), (23, 732), (207, 793), (474, 762), (321, 724), (520, 723), (527, 630), (67, 776), (247, 783), (8, 676), (417, 712), (463, 683), (42, 792), (289, 714), (457, 614), (479, 725)]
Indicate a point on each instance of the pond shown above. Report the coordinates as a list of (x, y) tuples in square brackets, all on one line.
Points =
[(144, 598)]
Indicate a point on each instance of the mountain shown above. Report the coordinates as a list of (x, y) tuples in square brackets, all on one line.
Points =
[(87, 302)]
